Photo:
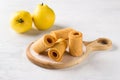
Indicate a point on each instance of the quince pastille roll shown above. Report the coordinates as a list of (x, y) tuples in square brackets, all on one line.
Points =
[(75, 43), (57, 51), (43, 43), (62, 33)]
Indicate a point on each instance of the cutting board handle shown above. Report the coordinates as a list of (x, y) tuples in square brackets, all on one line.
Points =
[(98, 44)]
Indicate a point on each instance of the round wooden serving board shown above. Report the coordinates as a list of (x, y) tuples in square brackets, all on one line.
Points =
[(44, 61)]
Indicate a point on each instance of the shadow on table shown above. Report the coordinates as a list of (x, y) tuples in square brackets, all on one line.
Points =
[(35, 32), (114, 47)]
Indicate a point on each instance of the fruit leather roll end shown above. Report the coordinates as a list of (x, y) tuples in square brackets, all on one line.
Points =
[(43, 43), (61, 33), (75, 43), (57, 51)]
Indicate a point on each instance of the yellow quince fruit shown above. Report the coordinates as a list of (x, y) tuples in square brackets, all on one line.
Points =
[(21, 21), (43, 17)]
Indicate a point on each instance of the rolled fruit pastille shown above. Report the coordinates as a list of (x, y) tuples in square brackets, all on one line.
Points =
[(62, 33), (43, 43), (75, 43), (57, 51)]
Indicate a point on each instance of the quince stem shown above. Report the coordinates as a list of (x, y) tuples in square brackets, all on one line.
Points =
[(42, 4), (20, 20)]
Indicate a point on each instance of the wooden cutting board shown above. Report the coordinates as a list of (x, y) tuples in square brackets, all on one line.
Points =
[(44, 61)]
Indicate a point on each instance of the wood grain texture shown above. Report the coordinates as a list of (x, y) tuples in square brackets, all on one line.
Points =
[(44, 61)]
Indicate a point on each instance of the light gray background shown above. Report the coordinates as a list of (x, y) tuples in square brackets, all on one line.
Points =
[(94, 18)]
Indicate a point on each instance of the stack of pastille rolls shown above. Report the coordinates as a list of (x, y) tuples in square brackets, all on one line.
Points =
[(57, 41)]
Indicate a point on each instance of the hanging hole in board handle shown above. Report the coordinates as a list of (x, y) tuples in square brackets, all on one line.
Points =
[(100, 44), (105, 42)]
